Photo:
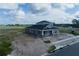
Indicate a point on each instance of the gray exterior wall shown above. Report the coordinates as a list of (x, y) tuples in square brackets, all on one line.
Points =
[(48, 30), (44, 33)]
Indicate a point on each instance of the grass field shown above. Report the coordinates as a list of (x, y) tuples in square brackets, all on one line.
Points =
[(7, 33), (64, 30), (69, 30), (11, 31)]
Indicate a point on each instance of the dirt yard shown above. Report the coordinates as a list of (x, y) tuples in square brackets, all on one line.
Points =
[(25, 45)]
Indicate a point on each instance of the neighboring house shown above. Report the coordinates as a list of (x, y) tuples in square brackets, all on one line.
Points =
[(43, 28)]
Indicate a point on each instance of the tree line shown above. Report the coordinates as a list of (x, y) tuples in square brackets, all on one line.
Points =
[(75, 23)]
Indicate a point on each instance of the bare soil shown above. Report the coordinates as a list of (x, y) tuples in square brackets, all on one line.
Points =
[(25, 45)]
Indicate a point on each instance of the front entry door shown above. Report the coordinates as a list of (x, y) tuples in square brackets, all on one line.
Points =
[(47, 33)]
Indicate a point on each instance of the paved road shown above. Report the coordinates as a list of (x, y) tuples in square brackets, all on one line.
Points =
[(72, 41), (65, 42), (72, 50)]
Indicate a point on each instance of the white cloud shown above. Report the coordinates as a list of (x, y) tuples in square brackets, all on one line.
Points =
[(49, 13), (67, 5), (8, 5), (45, 12), (8, 12), (39, 12), (39, 6), (20, 14), (76, 15), (20, 17)]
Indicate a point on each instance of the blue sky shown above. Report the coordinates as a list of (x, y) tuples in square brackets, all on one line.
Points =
[(28, 13)]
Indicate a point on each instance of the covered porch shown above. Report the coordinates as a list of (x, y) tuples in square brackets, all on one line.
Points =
[(44, 32)]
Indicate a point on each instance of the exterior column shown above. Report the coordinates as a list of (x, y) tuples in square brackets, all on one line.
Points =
[(42, 32), (52, 33), (57, 32)]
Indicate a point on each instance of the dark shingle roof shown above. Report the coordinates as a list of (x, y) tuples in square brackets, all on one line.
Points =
[(53, 27), (41, 25), (38, 26), (43, 22)]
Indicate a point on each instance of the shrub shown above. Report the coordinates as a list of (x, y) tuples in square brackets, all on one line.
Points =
[(51, 49), (48, 41), (5, 44)]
